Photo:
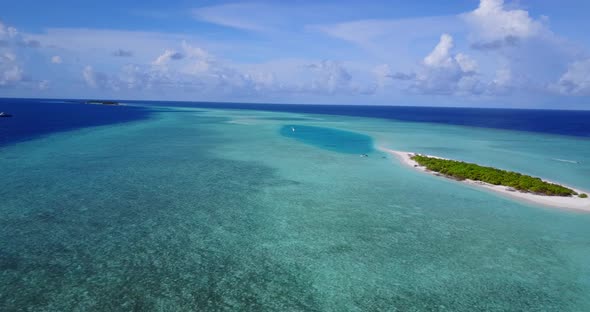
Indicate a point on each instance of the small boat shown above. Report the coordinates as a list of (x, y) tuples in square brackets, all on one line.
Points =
[(3, 114), (566, 160), (293, 129)]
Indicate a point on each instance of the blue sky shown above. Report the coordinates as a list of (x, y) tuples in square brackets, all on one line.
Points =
[(483, 53)]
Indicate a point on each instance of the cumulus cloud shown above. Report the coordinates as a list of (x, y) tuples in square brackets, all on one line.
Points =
[(96, 80), (7, 32), (56, 59), (318, 78), (387, 37), (10, 36), (508, 41), (527, 54), (466, 63), (193, 69), (494, 26), (444, 72), (441, 55), (517, 46), (199, 71), (11, 71), (576, 80), (382, 74), (329, 76), (167, 56)]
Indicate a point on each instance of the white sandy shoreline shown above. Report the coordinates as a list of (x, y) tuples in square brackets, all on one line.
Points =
[(572, 202)]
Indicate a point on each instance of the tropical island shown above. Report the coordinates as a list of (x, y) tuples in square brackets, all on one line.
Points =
[(102, 102), (508, 183), (467, 171)]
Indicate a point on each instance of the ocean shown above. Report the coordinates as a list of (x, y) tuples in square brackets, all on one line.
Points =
[(170, 206)]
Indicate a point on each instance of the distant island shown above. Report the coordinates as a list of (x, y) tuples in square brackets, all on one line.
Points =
[(98, 102), (509, 183)]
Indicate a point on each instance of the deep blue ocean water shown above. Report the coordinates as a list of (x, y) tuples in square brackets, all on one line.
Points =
[(562, 122), (33, 118), (37, 117)]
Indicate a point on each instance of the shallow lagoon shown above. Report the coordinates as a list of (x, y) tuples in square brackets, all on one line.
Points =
[(331, 139), (218, 210)]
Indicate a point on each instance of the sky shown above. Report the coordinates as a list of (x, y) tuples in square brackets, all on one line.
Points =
[(477, 53)]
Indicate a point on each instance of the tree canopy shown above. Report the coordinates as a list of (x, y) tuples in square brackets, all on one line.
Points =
[(462, 170)]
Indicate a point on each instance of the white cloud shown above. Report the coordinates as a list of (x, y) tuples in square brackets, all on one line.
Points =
[(467, 64), (235, 15), (503, 82), (389, 39), (193, 69), (494, 25), (89, 45), (17, 51), (199, 71), (383, 75), (443, 72), (367, 31), (11, 72), (576, 80), (8, 57), (331, 77), (441, 55), (167, 56), (516, 46), (95, 79), (7, 32), (526, 54), (263, 17), (10, 36), (509, 52)]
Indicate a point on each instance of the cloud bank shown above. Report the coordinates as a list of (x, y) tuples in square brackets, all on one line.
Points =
[(495, 51)]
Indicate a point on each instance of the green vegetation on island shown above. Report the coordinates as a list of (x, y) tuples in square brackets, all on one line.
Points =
[(583, 195), (461, 170)]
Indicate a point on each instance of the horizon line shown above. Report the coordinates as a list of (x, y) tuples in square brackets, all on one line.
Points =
[(299, 104)]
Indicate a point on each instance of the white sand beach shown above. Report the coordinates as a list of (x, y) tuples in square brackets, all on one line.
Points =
[(572, 202)]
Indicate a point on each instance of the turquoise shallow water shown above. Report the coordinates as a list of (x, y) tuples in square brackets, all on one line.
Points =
[(331, 139), (226, 210)]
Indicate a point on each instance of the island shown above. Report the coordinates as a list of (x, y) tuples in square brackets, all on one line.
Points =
[(97, 102), (460, 171), (508, 183)]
